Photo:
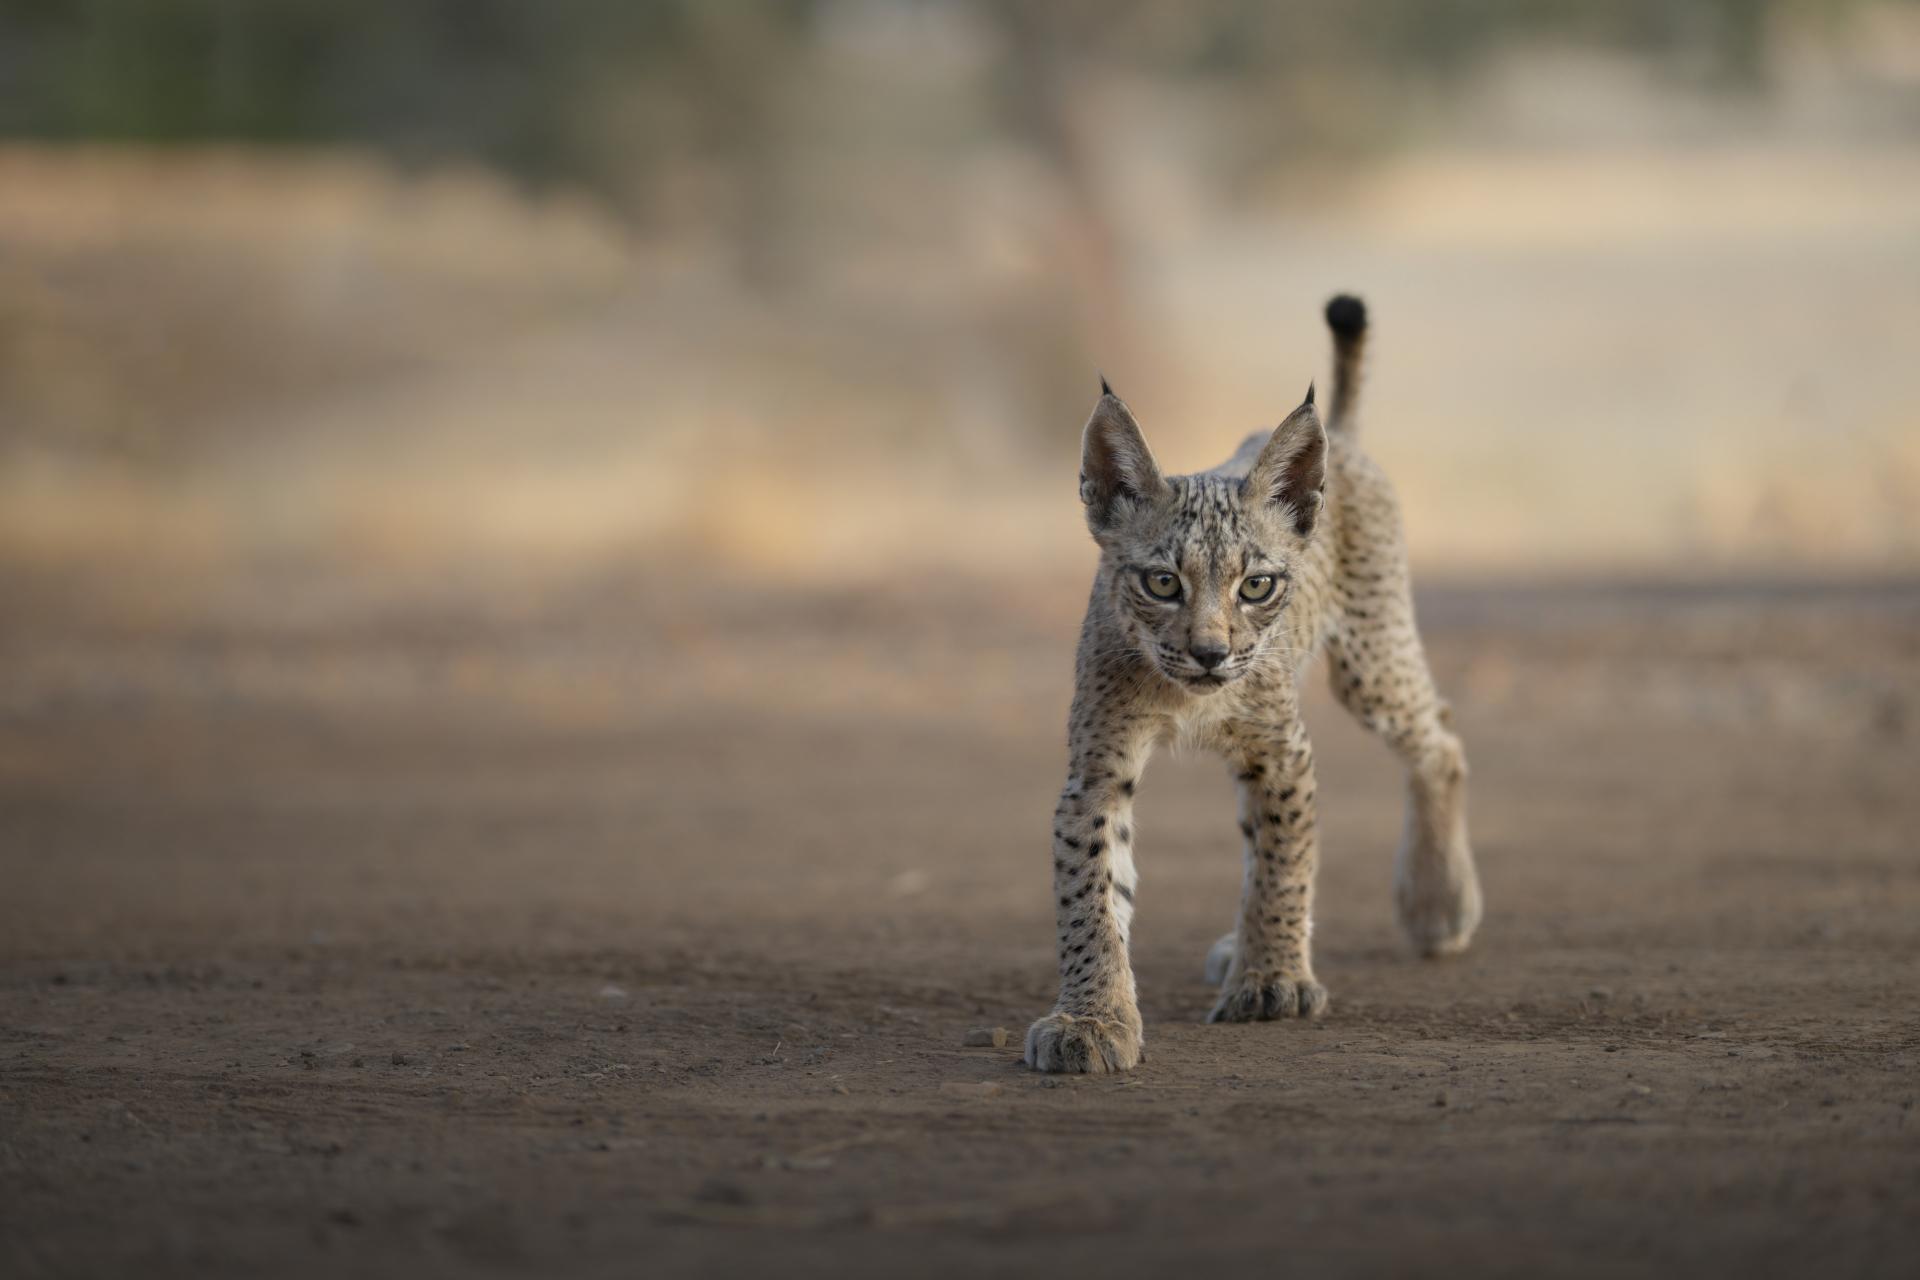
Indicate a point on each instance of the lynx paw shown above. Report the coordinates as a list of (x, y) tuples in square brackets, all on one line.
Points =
[(1439, 903), (1259, 997), (1077, 1043)]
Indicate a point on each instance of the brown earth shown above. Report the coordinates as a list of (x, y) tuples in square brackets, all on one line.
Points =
[(587, 928)]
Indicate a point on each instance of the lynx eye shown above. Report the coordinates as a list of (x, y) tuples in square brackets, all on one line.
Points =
[(1160, 584), (1257, 588)]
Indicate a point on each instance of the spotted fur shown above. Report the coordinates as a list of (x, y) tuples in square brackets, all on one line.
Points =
[(1218, 665)]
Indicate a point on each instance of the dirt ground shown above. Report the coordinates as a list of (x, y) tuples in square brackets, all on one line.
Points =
[(634, 925)]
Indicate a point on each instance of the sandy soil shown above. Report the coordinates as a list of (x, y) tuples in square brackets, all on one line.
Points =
[(587, 928)]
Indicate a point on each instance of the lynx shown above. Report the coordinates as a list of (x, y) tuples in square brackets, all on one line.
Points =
[(1213, 594)]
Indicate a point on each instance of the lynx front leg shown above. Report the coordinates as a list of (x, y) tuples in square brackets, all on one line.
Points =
[(1095, 1024), (1269, 970)]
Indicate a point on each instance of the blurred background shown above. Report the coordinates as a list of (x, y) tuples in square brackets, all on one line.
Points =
[(820, 287)]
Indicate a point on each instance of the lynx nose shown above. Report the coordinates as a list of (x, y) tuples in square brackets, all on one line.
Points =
[(1208, 656)]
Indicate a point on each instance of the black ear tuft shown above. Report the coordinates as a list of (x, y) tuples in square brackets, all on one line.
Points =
[(1347, 315), (1309, 399), (1105, 390)]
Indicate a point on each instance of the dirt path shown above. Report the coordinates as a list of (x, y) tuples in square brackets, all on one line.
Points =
[(547, 934)]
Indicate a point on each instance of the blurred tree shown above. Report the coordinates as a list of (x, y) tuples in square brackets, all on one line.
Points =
[(526, 86), (625, 98), (521, 86), (1036, 86)]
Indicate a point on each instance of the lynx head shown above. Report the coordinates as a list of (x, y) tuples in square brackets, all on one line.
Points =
[(1199, 568)]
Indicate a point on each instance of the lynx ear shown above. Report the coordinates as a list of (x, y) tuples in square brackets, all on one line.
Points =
[(1117, 470), (1291, 470)]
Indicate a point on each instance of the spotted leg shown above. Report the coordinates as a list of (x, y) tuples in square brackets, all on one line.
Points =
[(1095, 1024), (1379, 672), (1265, 967)]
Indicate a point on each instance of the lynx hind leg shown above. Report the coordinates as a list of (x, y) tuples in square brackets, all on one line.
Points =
[(1436, 887), (1220, 958), (1379, 673)]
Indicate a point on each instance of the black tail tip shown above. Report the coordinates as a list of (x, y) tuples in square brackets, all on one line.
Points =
[(1346, 316)]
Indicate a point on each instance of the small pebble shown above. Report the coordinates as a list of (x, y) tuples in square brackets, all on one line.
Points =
[(986, 1038)]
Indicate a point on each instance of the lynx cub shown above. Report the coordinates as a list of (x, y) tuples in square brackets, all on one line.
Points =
[(1214, 591)]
